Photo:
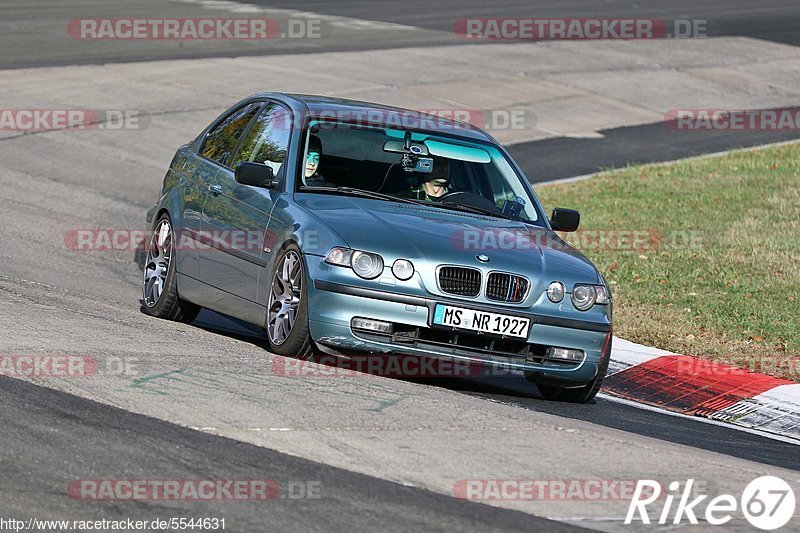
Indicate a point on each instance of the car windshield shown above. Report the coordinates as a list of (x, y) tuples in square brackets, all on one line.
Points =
[(439, 170)]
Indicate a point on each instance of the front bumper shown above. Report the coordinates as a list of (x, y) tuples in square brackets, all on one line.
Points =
[(333, 305)]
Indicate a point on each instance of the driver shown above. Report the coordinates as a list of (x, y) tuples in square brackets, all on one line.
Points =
[(435, 184), (312, 178)]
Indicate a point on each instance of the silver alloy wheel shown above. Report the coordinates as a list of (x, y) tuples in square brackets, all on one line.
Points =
[(284, 297), (156, 266)]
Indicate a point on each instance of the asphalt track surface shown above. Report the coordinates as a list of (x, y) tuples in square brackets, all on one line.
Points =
[(562, 157), (770, 20), (33, 30), (32, 34), (514, 390), (51, 437)]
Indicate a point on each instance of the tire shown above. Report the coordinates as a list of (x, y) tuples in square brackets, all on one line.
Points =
[(287, 308), (582, 394), (159, 282)]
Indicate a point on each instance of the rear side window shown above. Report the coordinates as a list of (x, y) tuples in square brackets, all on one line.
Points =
[(221, 141)]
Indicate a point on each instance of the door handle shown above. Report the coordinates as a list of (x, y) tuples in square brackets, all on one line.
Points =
[(215, 189)]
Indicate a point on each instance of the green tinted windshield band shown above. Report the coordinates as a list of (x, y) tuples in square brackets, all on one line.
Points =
[(457, 151)]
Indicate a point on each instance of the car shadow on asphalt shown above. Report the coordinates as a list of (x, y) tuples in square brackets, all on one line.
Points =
[(508, 385)]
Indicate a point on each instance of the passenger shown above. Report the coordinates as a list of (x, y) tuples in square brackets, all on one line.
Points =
[(312, 178)]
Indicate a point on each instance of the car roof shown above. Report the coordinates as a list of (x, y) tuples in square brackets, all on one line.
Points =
[(342, 107)]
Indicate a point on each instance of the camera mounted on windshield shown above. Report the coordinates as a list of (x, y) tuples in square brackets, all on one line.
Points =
[(415, 155)]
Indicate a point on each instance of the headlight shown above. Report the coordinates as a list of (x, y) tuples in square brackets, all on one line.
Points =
[(367, 265), (555, 292), (403, 269), (339, 256), (583, 297)]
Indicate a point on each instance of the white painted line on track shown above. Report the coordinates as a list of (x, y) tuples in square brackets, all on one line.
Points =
[(350, 23)]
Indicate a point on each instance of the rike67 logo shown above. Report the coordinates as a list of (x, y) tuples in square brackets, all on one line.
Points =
[(767, 503)]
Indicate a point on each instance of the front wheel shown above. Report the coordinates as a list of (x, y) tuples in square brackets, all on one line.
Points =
[(579, 395), (287, 310), (159, 286)]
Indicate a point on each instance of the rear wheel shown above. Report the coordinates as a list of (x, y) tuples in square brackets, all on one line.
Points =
[(287, 310), (159, 284)]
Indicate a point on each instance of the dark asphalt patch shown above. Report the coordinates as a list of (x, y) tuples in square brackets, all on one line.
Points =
[(563, 157)]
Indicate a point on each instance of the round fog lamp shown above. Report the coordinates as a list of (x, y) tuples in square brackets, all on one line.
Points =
[(367, 265), (583, 297), (403, 269), (555, 292)]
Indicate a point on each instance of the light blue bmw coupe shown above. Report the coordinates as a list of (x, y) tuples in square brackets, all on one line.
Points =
[(344, 227)]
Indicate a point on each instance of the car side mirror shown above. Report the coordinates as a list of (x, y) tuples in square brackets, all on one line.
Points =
[(255, 175), (565, 219)]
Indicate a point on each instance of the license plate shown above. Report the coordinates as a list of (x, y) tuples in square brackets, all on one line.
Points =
[(485, 322)]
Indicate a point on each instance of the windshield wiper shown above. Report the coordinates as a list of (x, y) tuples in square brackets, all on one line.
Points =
[(365, 193), (473, 209)]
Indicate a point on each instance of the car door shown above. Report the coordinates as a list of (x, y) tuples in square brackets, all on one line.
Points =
[(197, 169), (236, 217)]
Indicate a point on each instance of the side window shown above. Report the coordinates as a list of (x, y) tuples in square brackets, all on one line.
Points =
[(268, 140), (221, 141)]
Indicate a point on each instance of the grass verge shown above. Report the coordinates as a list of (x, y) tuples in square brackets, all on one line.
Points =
[(703, 256)]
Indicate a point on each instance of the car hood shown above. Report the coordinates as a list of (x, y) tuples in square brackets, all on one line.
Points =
[(438, 236)]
